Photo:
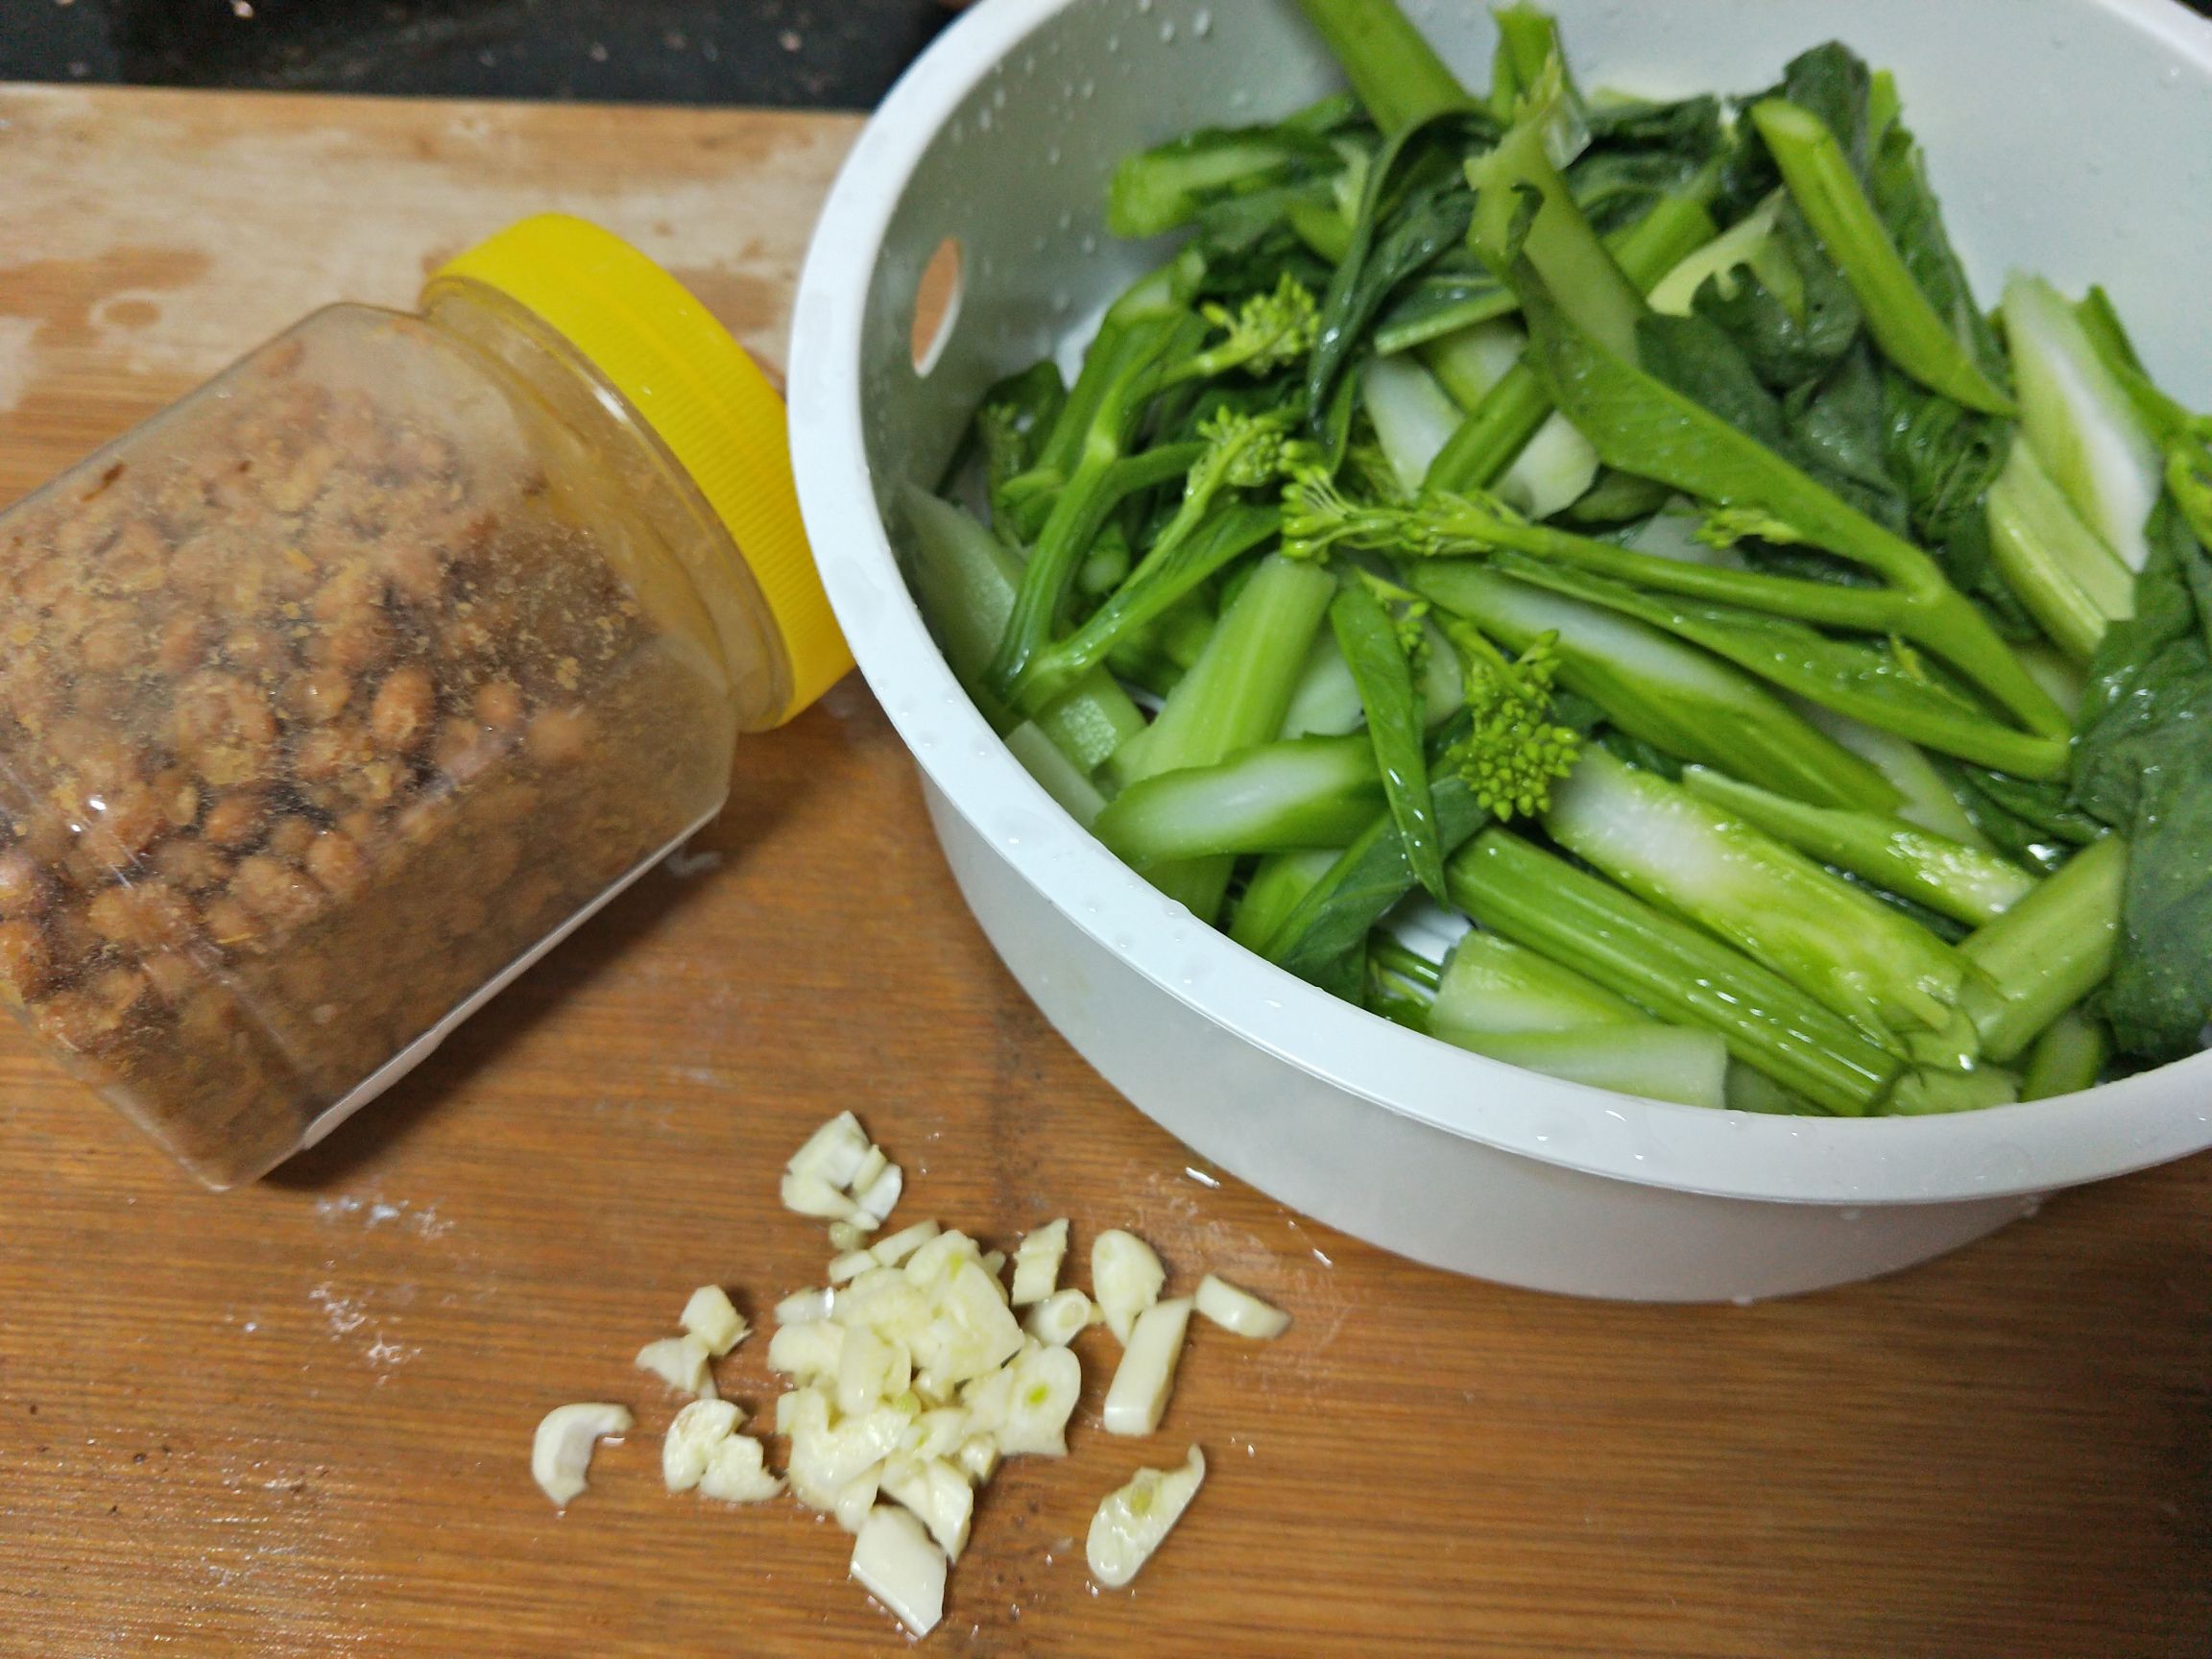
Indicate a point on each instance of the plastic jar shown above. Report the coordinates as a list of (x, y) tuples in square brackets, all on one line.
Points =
[(335, 695)]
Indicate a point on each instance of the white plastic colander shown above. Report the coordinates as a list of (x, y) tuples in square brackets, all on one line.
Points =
[(2072, 137)]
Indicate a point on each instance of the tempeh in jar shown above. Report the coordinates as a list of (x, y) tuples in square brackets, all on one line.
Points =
[(333, 695)]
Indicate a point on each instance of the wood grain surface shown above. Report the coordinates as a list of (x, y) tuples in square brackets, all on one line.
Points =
[(294, 1420)]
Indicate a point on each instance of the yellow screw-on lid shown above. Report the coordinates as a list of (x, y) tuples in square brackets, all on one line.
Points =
[(699, 392)]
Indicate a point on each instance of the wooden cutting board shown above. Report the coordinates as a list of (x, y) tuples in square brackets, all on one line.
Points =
[(296, 1419)]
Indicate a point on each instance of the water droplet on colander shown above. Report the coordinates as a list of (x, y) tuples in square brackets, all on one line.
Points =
[(1090, 243), (1167, 33), (1051, 155), (983, 120), (998, 97), (1067, 218), (1201, 23), (1143, 6), (1112, 43), (1088, 89)]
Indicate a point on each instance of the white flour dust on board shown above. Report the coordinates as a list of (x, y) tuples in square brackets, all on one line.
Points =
[(422, 1221), (348, 1319)]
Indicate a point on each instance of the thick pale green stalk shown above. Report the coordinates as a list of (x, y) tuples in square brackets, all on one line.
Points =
[(1924, 793), (1903, 322), (2048, 951), (1393, 69), (1278, 883), (1063, 779), (1307, 793), (1951, 878), (2080, 420), (1492, 987), (1682, 1064), (1234, 697), (1675, 969), (2069, 1057), (1838, 944), (2071, 582), (965, 580)]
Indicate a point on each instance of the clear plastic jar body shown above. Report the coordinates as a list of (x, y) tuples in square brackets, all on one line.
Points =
[(330, 696)]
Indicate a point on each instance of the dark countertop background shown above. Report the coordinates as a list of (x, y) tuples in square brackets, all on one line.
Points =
[(832, 53)]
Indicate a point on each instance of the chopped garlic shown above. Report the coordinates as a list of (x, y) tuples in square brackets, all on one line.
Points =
[(1126, 1277), (881, 1196), (835, 1152), (683, 1363), (845, 1179), (988, 1399), (807, 1353), (1146, 1375), (737, 1473), (804, 1307), (935, 1433), (1131, 1523), (812, 1195), (937, 1257), (802, 1411), (852, 1264), (562, 1451), (825, 1459), (1239, 1310), (712, 1317), (691, 1438), (1059, 1316), (857, 1497), (977, 1457), (871, 1167), (897, 1564), (939, 1497), (869, 1369), (1037, 1262), (1046, 1384), (972, 1332), (893, 1251)]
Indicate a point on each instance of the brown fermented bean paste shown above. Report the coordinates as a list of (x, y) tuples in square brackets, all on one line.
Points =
[(316, 710)]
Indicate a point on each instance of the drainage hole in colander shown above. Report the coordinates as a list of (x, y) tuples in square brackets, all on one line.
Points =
[(936, 305)]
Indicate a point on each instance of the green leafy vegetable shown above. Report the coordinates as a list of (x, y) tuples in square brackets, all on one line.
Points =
[(2144, 765), (1648, 474)]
